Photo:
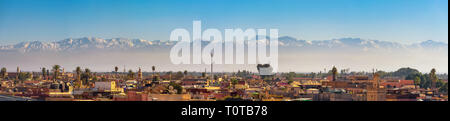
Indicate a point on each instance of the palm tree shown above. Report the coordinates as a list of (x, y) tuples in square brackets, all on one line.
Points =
[(116, 70), (87, 75), (153, 69), (334, 71), (185, 73), (48, 73), (44, 72), (3, 73), (87, 72), (433, 78), (56, 71), (78, 71), (130, 74), (153, 75), (203, 74), (417, 80)]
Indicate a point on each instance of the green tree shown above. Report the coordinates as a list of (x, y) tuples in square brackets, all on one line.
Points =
[(382, 73), (116, 71), (425, 81), (56, 69), (417, 80), (87, 71), (95, 79), (444, 88), (48, 73), (78, 71), (176, 86), (216, 77), (153, 69), (291, 75), (3, 73), (23, 76), (203, 74), (131, 74), (433, 78), (153, 74), (234, 81), (334, 72), (179, 75), (86, 76), (439, 83), (44, 72)]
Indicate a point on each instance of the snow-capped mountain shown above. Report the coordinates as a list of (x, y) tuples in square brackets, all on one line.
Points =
[(340, 43), (430, 44), (294, 54), (85, 43), (285, 42)]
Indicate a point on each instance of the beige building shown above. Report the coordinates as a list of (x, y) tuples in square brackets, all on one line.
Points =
[(169, 97)]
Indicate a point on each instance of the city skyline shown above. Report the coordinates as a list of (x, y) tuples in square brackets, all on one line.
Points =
[(273, 52)]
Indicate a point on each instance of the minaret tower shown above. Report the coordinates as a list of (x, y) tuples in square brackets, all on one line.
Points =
[(18, 72), (140, 74), (212, 73)]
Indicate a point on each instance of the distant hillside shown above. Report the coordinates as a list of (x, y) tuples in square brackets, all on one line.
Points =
[(286, 42), (294, 55)]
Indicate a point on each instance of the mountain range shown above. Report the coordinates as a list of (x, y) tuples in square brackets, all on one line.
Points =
[(285, 42), (294, 55)]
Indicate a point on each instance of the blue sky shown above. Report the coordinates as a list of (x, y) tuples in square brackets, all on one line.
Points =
[(404, 21)]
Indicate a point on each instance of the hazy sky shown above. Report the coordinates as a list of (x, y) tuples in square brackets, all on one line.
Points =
[(404, 21)]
